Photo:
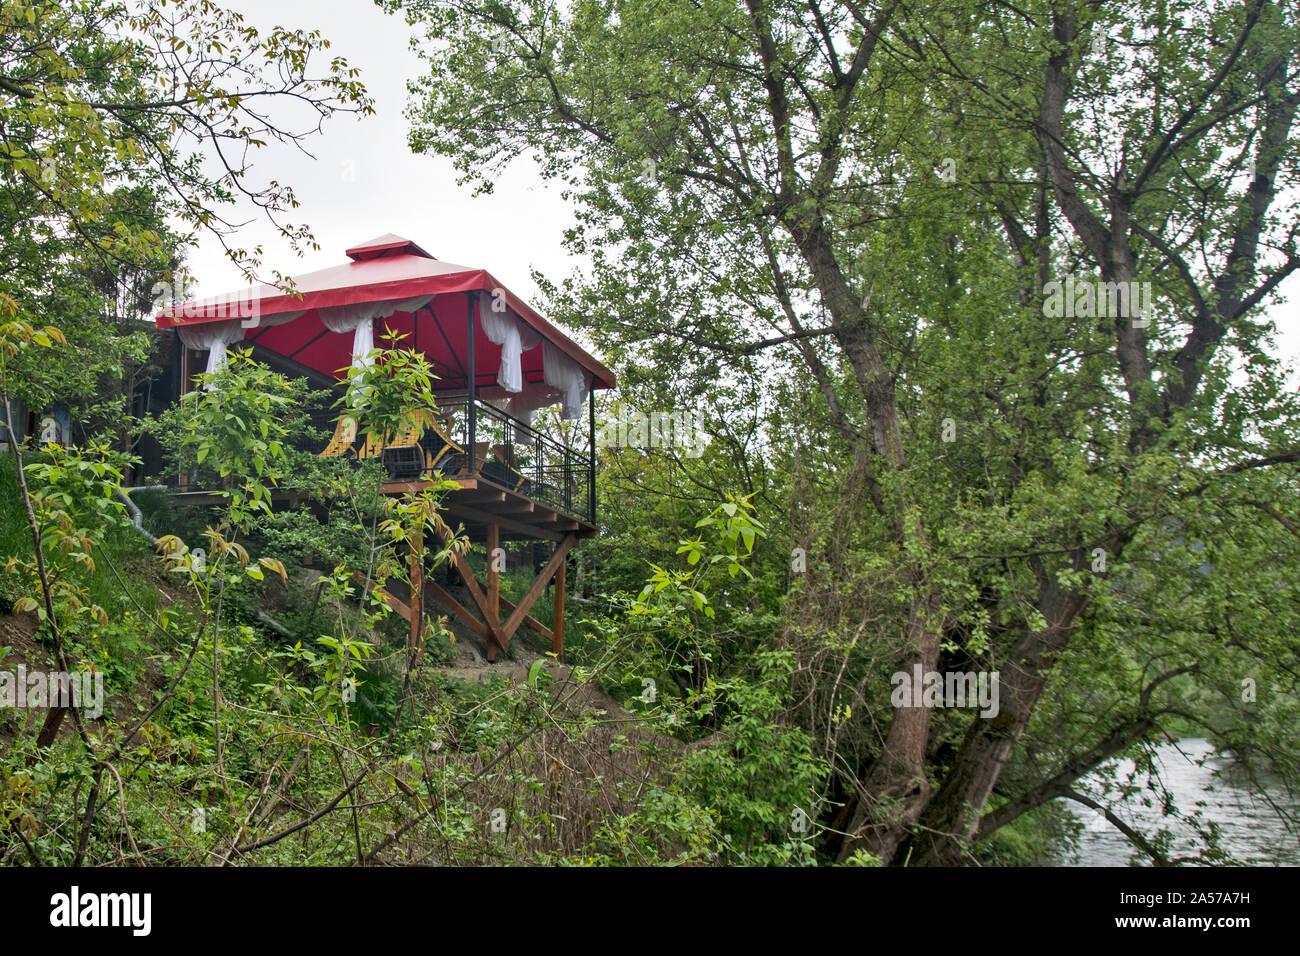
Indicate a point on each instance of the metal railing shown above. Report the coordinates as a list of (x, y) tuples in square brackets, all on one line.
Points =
[(512, 454), (506, 451)]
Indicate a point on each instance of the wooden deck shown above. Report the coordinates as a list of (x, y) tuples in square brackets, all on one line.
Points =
[(490, 514), (475, 502)]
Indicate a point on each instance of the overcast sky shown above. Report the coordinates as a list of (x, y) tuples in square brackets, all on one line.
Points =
[(365, 182)]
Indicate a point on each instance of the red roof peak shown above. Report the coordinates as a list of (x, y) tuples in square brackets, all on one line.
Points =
[(386, 245)]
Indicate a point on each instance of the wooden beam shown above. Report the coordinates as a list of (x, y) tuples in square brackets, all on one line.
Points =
[(402, 487), (499, 638), (395, 604), (482, 497), (493, 577), (557, 619), (484, 518), (560, 520), (458, 610), (538, 585), (529, 621)]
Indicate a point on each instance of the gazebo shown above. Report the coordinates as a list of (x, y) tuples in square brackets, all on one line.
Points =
[(497, 362)]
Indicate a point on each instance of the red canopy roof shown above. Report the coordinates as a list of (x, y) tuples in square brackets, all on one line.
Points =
[(386, 268)]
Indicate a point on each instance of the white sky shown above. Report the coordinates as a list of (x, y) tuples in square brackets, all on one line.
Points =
[(365, 182)]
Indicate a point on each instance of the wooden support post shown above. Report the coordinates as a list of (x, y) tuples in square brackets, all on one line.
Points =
[(591, 453), (493, 582), (499, 639), (480, 600), (557, 622), (539, 585)]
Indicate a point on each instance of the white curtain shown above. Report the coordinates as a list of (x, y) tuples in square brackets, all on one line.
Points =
[(570, 378), (359, 320), (524, 406), (214, 337), (514, 337)]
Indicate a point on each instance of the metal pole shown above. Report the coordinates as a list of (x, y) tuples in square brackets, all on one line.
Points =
[(473, 417), (178, 357), (591, 452)]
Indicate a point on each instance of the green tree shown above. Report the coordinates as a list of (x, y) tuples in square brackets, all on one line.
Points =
[(125, 130), (859, 211)]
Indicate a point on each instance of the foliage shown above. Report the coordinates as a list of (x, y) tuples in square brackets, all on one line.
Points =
[(832, 232), (390, 388), (868, 214), (237, 422), (105, 108)]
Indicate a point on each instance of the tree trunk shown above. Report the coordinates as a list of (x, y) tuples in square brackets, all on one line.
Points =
[(952, 819), (896, 790)]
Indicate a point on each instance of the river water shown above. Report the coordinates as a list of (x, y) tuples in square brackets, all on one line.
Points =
[(1249, 829)]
